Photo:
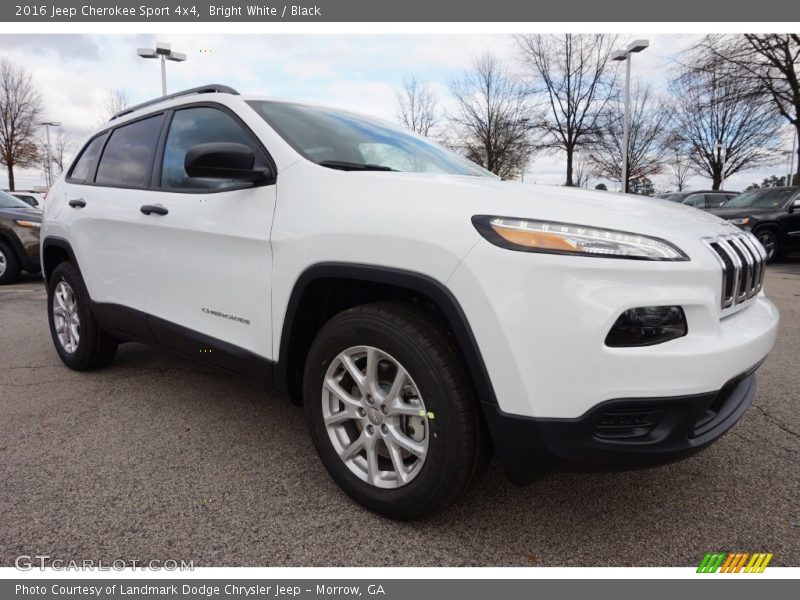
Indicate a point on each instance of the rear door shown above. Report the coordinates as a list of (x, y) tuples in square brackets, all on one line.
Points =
[(210, 259), (102, 199)]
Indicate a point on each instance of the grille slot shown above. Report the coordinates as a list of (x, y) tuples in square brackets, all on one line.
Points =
[(742, 259), (626, 422)]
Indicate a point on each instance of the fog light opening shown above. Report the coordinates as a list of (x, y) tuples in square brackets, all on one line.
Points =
[(647, 326)]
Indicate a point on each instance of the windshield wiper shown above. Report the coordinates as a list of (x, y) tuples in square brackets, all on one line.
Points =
[(344, 165)]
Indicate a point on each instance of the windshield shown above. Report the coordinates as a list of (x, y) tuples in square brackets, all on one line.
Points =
[(774, 198), (672, 197), (342, 140), (8, 201)]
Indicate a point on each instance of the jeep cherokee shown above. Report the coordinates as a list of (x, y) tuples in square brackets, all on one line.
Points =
[(421, 310)]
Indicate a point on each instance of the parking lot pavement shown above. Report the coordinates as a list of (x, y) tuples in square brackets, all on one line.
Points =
[(159, 458)]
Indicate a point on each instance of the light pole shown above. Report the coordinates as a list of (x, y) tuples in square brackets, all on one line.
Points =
[(720, 147), (619, 55), (164, 52), (49, 171), (789, 179)]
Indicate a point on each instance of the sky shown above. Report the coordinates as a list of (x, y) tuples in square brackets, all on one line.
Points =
[(357, 72)]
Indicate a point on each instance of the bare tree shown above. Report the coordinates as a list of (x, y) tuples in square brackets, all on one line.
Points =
[(417, 106), (769, 63), (490, 122), (679, 165), (20, 107), (115, 101), (582, 169), (648, 135), (62, 149), (723, 123), (571, 79)]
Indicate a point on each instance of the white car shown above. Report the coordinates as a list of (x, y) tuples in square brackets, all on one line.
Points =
[(423, 311)]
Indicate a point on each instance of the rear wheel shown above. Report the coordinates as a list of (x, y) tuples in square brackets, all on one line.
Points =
[(391, 411), (78, 339), (9, 264)]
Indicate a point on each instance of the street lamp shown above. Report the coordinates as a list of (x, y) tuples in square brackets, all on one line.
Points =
[(163, 51), (49, 172), (619, 55), (719, 148)]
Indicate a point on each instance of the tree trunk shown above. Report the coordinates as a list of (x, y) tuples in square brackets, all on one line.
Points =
[(11, 178), (795, 180), (570, 182), (716, 179)]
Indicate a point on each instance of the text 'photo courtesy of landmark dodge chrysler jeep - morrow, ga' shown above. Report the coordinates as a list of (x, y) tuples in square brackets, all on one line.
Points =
[(425, 313)]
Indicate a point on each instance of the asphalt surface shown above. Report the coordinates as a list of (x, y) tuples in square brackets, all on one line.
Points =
[(159, 458)]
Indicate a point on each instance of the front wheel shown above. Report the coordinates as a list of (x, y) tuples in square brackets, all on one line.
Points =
[(9, 265), (391, 411), (769, 240)]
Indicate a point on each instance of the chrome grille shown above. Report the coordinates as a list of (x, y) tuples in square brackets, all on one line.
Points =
[(742, 259)]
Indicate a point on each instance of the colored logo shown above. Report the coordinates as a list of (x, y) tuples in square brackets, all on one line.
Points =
[(734, 562)]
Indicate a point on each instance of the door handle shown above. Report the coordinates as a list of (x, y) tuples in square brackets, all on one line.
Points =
[(77, 203), (157, 209)]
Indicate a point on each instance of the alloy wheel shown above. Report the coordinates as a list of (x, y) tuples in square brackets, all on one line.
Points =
[(3, 263), (66, 319), (375, 417), (768, 241)]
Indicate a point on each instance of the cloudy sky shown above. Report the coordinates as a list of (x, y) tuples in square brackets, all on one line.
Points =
[(357, 72)]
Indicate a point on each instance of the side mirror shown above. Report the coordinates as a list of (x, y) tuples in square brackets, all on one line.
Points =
[(224, 160), (794, 205)]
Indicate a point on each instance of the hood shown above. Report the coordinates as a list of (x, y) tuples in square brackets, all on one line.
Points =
[(478, 195), (738, 212), (26, 214)]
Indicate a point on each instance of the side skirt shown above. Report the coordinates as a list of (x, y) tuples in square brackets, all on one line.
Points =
[(132, 325)]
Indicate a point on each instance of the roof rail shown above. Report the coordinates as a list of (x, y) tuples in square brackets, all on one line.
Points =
[(211, 88)]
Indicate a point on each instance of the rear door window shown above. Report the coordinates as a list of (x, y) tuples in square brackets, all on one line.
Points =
[(85, 164), (127, 160)]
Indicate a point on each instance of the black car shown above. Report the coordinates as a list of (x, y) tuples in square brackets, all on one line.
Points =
[(772, 214), (702, 199), (19, 238)]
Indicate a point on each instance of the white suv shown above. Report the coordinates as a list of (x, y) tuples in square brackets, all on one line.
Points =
[(423, 311)]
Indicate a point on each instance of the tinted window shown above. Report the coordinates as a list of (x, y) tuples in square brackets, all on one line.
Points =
[(83, 167), (128, 156), (201, 125), (9, 201), (27, 199), (696, 200), (763, 198)]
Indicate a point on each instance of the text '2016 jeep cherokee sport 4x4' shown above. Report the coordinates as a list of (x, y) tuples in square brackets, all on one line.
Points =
[(421, 310)]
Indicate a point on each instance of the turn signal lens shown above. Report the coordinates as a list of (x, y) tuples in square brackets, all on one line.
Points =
[(31, 224), (566, 238), (647, 326)]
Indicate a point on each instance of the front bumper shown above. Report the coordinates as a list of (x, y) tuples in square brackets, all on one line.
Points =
[(623, 434)]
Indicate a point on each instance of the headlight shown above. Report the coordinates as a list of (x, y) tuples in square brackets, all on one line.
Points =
[(740, 222), (565, 238), (30, 224)]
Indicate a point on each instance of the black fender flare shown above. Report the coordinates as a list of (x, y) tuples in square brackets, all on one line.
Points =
[(52, 241), (411, 280)]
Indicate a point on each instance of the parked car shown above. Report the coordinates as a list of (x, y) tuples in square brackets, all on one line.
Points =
[(702, 199), (19, 238), (421, 310), (34, 199), (772, 214)]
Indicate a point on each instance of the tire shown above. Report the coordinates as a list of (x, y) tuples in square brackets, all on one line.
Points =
[(398, 336), (769, 239), (87, 347), (9, 264)]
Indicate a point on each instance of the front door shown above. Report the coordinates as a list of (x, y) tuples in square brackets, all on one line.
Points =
[(210, 262)]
